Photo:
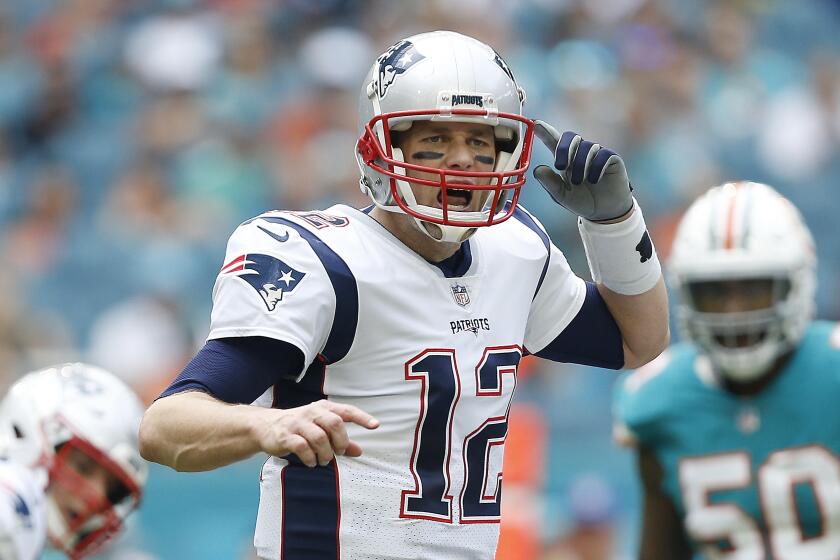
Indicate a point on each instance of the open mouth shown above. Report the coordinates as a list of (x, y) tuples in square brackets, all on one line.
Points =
[(456, 199)]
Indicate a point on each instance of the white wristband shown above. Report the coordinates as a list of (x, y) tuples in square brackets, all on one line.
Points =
[(621, 256)]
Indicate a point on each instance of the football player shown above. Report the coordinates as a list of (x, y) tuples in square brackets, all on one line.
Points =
[(398, 328), (737, 444), (70, 470)]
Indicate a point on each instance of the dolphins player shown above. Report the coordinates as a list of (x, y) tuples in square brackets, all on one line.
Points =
[(737, 444)]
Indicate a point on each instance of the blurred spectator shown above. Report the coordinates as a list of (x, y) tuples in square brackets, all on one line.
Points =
[(592, 535), (524, 471), (33, 241), (177, 50), (143, 341)]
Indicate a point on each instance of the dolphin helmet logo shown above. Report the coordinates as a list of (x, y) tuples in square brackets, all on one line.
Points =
[(270, 277)]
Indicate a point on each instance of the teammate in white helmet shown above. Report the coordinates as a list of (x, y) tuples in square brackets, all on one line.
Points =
[(70, 470), (739, 452), (397, 329)]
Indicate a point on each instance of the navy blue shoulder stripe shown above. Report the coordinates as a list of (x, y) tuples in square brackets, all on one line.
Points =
[(346, 317), (526, 219)]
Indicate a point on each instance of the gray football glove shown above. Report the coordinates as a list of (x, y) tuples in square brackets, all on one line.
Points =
[(589, 180)]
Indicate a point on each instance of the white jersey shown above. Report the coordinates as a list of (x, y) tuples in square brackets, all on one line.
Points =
[(432, 354), (23, 527)]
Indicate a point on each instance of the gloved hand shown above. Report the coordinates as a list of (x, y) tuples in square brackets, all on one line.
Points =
[(589, 180)]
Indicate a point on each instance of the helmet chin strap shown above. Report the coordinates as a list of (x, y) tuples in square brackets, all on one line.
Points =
[(748, 364), (444, 234), (743, 372)]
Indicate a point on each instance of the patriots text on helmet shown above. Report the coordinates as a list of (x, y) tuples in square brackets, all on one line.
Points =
[(460, 99)]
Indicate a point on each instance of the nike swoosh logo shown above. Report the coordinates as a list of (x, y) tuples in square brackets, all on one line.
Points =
[(281, 238)]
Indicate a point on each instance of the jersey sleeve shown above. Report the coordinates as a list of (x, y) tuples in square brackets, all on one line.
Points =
[(640, 404), (558, 298), (592, 338), (22, 522), (273, 284), (238, 370)]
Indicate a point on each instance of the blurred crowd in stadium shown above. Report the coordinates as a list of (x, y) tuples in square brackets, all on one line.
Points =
[(135, 135)]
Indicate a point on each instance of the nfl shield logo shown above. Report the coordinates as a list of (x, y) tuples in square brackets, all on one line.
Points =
[(461, 295)]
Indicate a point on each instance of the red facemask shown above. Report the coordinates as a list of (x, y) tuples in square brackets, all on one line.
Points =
[(98, 520), (503, 185)]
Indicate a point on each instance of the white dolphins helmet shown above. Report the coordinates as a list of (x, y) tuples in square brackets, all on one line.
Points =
[(51, 413), (445, 77), (740, 232)]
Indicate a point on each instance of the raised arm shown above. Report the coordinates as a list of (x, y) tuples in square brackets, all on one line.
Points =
[(642, 320), (592, 182)]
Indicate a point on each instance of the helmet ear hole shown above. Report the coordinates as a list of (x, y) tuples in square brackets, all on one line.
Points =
[(397, 137)]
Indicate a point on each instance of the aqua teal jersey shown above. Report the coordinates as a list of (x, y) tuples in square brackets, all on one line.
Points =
[(753, 478)]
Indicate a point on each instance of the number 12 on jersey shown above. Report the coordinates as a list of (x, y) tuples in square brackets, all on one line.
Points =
[(432, 495)]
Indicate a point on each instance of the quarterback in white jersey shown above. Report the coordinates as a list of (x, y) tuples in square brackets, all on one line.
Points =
[(70, 470), (385, 341)]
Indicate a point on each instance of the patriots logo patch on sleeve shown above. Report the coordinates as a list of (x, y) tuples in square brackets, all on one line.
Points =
[(22, 511), (270, 277)]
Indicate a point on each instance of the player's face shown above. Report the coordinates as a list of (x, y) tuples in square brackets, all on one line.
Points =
[(102, 488), (735, 296), (456, 146)]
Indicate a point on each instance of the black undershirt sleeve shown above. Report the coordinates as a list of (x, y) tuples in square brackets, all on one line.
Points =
[(592, 338), (238, 370)]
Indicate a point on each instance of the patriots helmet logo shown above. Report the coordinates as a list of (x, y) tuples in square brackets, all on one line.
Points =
[(270, 277), (22, 511), (393, 62)]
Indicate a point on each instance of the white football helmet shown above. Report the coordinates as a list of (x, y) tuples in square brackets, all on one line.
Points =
[(744, 231), (51, 413), (446, 77)]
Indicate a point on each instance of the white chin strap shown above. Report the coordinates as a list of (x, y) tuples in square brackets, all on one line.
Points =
[(744, 365), (444, 234)]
